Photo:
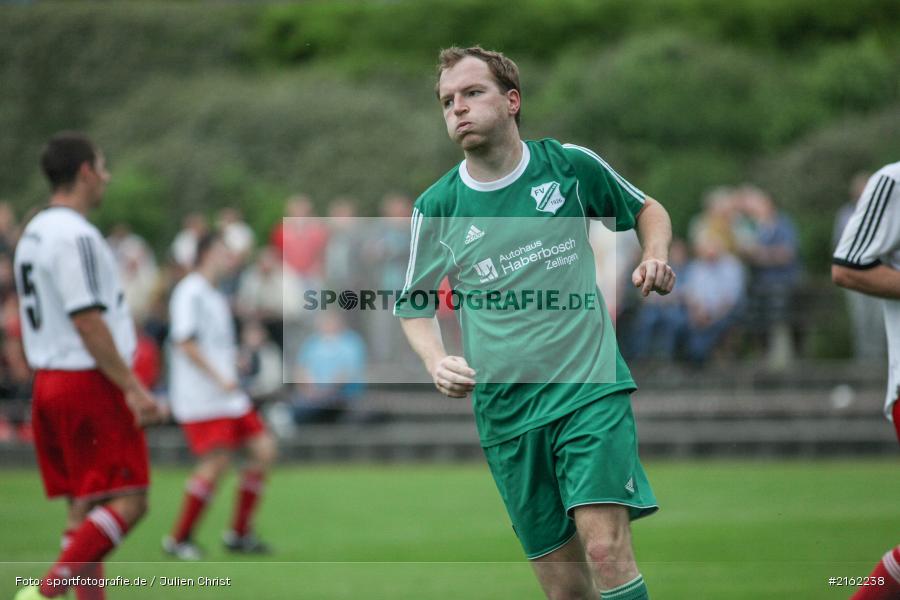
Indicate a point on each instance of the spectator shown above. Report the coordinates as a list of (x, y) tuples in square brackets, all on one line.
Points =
[(9, 229), (184, 246), (866, 319), (773, 257), (615, 256), (7, 279), (236, 234), (137, 268), (240, 240), (259, 362), (15, 376), (18, 374), (661, 320), (345, 247), (302, 239), (343, 253), (718, 217), (386, 256), (156, 320), (713, 287), (330, 372), (261, 291)]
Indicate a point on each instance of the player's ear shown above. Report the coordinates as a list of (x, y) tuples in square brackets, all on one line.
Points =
[(515, 101), (85, 170)]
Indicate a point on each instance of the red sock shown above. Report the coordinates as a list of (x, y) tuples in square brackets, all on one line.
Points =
[(887, 569), (249, 492), (95, 537), (196, 497), (90, 570)]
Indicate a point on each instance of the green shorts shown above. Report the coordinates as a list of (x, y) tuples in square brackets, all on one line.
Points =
[(589, 456)]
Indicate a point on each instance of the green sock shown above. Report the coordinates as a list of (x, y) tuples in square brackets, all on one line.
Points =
[(633, 590)]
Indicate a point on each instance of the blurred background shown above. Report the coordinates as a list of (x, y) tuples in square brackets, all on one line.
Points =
[(755, 122)]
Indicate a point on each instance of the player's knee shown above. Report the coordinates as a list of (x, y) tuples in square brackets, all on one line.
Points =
[(141, 507), (214, 465), (266, 451), (263, 451), (78, 512), (608, 551), (131, 508)]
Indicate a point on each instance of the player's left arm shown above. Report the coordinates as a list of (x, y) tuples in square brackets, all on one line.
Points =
[(880, 280), (871, 236), (607, 195), (654, 229)]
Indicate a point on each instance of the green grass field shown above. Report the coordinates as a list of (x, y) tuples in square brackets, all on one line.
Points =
[(725, 530)]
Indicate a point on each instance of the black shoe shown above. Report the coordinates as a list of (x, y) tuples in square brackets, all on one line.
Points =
[(244, 544)]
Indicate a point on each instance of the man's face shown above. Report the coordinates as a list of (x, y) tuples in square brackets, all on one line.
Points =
[(221, 257), (474, 106), (96, 178)]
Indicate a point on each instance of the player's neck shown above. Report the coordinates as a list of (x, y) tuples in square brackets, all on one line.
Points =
[(495, 161), (70, 199), (209, 274)]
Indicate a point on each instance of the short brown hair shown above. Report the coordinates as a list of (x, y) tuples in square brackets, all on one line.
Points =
[(205, 244), (63, 156), (504, 70)]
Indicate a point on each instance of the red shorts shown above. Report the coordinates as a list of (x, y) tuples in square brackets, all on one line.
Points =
[(231, 432), (87, 443)]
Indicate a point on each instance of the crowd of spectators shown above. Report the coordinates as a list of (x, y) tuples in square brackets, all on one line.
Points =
[(738, 270), (738, 273)]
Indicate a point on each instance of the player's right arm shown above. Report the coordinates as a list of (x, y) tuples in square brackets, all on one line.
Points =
[(451, 375), (872, 233), (192, 350), (99, 343), (881, 281), (428, 264), (186, 314)]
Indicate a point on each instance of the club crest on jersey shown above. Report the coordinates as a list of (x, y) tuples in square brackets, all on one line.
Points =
[(547, 197), (486, 270)]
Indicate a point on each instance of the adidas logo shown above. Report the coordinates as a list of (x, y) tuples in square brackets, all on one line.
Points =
[(473, 234), (629, 487)]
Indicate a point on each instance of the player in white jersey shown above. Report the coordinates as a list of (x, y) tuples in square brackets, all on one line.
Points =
[(867, 259), (88, 407), (216, 416)]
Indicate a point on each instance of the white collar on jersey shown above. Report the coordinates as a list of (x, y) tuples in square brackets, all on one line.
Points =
[(497, 184)]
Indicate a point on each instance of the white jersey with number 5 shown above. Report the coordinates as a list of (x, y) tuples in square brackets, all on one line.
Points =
[(64, 266), (872, 238)]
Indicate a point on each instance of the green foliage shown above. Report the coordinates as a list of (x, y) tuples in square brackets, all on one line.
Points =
[(406, 34), (811, 178), (138, 199), (670, 90), (859, 75), (682, 178), (64, 64), (250, 140)]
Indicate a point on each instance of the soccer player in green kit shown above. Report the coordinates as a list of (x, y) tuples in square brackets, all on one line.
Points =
[(551, 391)]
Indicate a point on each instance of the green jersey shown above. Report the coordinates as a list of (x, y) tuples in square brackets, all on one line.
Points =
[(517, 253)]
